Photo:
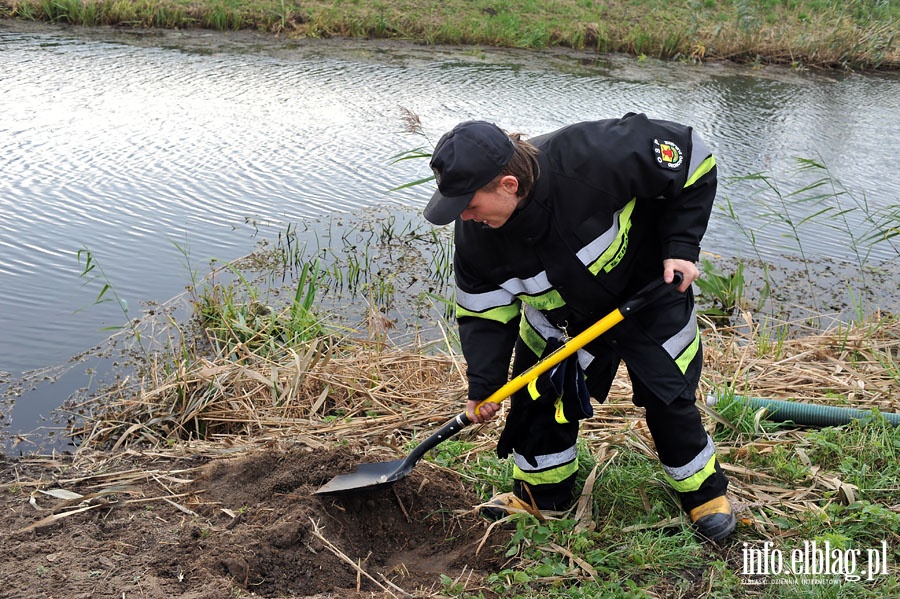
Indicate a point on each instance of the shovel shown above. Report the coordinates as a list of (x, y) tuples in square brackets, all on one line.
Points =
[(380, 474)]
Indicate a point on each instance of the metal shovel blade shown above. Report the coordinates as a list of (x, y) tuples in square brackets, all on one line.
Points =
[(376, 475), (366, 476)]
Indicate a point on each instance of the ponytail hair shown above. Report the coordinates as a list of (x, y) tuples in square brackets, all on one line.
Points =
[(523, 165)]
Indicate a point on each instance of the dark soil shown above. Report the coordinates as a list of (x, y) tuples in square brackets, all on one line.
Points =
[(248, 526)]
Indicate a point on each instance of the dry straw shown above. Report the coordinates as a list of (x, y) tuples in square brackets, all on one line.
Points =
[(370, 393), (381, 399)]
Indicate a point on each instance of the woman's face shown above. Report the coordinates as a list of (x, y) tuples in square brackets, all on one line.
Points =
[(493, 208)]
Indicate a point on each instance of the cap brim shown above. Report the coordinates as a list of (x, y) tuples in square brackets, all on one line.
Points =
[(443, 210)]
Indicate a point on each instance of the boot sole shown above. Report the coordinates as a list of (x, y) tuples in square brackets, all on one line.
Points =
[(718, 529)]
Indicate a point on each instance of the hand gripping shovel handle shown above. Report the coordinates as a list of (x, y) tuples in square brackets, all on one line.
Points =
[(645, 296)]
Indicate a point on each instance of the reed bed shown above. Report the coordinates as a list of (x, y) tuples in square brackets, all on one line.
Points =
[(855, 365), (361, 392), (367, 393)]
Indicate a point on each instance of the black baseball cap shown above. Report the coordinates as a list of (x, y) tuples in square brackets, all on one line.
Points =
[(465, 159)]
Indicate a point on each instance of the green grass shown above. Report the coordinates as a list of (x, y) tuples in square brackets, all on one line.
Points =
[(237, 319), (859, 34), (624, 554)]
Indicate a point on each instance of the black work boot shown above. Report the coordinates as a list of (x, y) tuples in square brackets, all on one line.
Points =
[(714, 520)]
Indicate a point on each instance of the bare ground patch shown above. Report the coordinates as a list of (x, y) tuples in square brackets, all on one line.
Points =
[(202, 526)]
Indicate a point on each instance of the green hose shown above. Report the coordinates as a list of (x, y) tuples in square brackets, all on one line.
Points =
[(806, 414)]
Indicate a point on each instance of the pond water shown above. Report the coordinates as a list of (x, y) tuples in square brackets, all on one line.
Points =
[(160, 151)]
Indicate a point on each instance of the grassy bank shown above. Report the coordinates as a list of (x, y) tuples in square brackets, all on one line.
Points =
[(855, 34)]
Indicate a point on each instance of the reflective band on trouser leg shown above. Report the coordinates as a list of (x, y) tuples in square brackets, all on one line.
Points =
[(693, 482), (689, 478), (547, 477), (551, 469)]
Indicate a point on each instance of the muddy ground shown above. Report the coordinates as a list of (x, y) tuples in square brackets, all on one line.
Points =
[(248, 526)]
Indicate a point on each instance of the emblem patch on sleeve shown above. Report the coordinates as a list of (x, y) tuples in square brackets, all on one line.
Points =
[(668, 154)]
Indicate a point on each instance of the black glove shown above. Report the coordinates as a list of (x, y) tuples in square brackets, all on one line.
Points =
[(561, 389), (563, 386), (574, 402)]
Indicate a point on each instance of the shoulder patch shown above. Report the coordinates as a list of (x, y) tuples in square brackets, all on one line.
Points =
[(668, 154)]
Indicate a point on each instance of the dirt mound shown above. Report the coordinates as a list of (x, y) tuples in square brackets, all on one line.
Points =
[(248, 525)]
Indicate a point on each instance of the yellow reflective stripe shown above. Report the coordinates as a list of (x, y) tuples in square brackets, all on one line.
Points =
[(503, 314), (690, 352), (533, 390), (545, 301), (705, 166), (547, 477), (693, 482), (532, 339), (613, 254), (559, 414)]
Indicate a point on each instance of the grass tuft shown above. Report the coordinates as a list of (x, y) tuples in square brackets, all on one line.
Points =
[(858, 35)]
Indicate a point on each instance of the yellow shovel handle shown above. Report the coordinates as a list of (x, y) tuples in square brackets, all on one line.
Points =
[(645, 296)]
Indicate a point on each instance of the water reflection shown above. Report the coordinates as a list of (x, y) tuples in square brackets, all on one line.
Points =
[(160, 152)]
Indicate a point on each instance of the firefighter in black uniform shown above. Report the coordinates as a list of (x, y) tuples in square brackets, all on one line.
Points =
[(550, 235)]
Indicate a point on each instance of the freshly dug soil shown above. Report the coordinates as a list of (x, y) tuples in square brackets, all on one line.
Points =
[(213, 527)]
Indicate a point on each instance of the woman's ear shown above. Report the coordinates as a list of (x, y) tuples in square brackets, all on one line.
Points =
[(510, 184)]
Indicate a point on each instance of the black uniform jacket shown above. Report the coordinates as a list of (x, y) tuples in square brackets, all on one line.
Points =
[(612, 199)]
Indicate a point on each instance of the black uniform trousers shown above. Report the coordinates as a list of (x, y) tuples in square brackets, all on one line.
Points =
[(532, 432)]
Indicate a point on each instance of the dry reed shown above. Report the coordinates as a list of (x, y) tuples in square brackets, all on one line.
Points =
[(368, 393), (851, 365), (363, 392)]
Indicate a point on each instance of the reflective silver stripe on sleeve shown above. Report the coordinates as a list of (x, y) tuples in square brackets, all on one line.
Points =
[(699, 153), (531, 286), (481, 302)]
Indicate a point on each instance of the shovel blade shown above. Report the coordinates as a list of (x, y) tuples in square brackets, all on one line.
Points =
[(367, 477)]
